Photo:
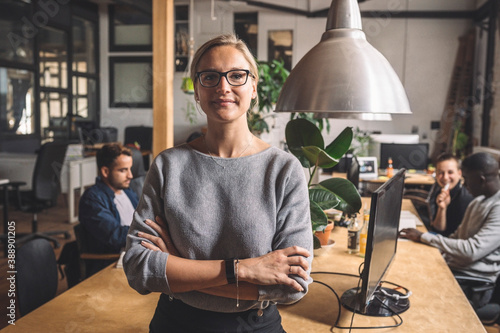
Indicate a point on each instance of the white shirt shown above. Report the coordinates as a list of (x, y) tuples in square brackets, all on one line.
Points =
[(125, 208)]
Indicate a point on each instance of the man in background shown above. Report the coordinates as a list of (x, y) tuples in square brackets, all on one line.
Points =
[(106, 209), (448, 198), (474, 248)]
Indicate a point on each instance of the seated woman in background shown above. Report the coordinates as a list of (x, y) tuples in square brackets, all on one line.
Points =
[(232, 235)]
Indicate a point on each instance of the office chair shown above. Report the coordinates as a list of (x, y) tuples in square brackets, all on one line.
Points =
[(45, 189), (90, 263), (483, 295), (421, 200), (143, 135), (353, 171), (36, 278), (138, 172)]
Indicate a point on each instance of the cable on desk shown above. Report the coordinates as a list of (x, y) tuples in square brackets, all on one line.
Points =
[(407, 294)]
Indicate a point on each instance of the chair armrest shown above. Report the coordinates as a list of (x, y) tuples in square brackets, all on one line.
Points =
[(473, 279)]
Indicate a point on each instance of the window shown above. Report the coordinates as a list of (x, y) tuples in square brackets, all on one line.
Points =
[(280, 46), (84, 80), (131, 81), (48, 71), (16, 101), (130, 29), (246, 26), (182, 38), (16, 42)]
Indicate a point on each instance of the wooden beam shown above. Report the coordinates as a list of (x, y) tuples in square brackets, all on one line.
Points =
[(163, 75)]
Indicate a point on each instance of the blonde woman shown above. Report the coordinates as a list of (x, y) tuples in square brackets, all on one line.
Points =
[(232, 237)]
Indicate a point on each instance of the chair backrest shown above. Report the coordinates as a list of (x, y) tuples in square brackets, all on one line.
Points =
[(421, 202), (47, 172), (353, 171), (36, 274), (138, 169), (140, 134)]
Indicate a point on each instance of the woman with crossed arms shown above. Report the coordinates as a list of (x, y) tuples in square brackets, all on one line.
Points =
[(232, 236)]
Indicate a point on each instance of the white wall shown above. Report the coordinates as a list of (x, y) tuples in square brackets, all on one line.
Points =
[(422, 52)]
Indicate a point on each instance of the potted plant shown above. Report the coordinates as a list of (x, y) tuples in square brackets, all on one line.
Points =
[(272, 76), (305, 141)]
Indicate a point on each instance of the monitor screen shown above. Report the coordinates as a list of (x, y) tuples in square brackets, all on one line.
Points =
[(382, 240), (408, 156)]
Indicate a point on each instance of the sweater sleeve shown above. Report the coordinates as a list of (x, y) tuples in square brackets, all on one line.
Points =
[(474, 248), (146, 269), (293, 228)]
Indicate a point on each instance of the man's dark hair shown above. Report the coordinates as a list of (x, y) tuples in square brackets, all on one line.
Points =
[(482, 162), (108, 154), (446, 157)]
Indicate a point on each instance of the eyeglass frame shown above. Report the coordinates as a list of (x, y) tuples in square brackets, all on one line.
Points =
[(224, 74)]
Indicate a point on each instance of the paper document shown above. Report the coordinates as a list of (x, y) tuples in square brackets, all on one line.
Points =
[(408, 220), (3, 181)]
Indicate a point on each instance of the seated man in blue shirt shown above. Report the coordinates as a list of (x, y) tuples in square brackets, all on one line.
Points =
[(106, 208)]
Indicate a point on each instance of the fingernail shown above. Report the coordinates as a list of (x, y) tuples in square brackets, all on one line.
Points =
[(139, 234), (147, 221)]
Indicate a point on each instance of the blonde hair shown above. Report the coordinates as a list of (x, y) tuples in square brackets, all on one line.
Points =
[(225, 40)]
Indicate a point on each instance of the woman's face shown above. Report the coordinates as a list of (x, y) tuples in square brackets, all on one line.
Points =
[(225, 103)]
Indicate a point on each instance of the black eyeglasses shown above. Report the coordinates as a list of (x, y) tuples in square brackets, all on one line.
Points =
[(235, 77)]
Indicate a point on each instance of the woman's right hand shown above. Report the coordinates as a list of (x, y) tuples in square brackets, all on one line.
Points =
[(275, 267)]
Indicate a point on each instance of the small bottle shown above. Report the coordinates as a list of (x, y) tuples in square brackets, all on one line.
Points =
[(390, 170), (363, 234), (353, 235)]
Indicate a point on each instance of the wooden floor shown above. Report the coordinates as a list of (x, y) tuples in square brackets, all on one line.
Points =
[(56, 219)]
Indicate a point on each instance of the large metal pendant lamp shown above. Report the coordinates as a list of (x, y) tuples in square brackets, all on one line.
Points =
[(343, 76)]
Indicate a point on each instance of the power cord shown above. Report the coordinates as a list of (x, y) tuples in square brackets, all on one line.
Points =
[(407, 294)]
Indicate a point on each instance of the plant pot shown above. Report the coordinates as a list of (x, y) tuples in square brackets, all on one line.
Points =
[(324, 235)]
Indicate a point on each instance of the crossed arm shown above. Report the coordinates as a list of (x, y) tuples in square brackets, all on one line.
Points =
[(209, 276)]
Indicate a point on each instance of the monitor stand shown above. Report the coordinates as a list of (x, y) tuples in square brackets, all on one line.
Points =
[(379, 305)]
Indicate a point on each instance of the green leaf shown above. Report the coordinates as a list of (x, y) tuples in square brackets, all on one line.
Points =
[(346, 192), (302, 133), (324, 198), (319, 220), (317, 243), (318, 156), (338, 147)]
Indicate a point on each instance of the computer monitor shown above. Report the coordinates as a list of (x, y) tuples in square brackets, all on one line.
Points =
[(368, 169), (371, 299), (408, 156)]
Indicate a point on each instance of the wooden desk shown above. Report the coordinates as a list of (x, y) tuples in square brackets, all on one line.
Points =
[(437, 303), (105, 302), (410, 179), (102, 303)]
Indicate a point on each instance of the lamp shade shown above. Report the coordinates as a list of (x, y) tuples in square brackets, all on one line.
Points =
[(343, 76)]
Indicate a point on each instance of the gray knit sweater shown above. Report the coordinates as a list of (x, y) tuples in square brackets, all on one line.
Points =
[(474, 248), (219, 208)]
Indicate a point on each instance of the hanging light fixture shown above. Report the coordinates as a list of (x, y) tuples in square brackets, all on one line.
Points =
[(343, 76)]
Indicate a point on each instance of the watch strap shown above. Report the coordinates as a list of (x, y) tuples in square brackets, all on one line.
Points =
[(230, 276)]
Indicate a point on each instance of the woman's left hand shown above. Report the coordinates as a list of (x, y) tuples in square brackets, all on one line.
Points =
[(163, 242)]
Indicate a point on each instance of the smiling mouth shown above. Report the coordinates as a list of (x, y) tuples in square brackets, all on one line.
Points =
[(224, 101)]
